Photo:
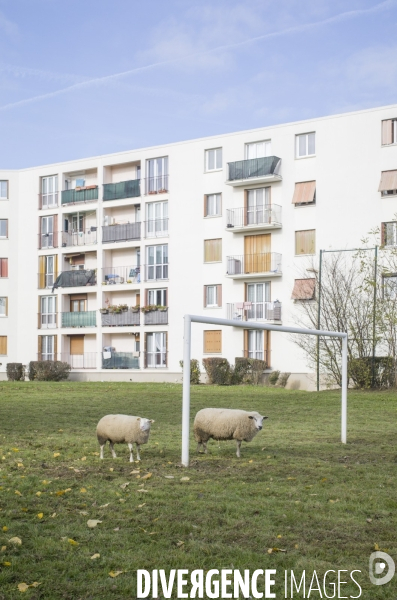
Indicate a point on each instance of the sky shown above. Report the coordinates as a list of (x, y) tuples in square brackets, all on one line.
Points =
[(88, 77)]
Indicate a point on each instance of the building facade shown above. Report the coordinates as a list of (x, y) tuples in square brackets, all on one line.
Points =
[(100, 258)]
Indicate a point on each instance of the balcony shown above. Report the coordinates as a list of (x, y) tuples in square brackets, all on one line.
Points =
[(78, 278), (156, 185), (122, 319), (47, 240), (247, 266), (156, 228), (118, 275), (254, 170), (79, 319), (121, 233), (156, 317), (86, 194), (47, 320), (255, 219), (86, 237), (120, 360), (80, 361), (255, 311), (124, 189)]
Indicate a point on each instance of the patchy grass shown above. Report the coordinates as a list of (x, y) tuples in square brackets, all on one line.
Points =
[(296, 488)]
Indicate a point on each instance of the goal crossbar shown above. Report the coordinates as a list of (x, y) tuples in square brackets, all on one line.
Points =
[(189, 319)]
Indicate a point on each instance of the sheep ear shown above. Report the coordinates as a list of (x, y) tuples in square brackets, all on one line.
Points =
[(139, 418), (250, 417), (265, 417), (152, 420)]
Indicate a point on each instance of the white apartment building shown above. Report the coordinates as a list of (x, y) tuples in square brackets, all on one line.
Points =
[(221, 226)]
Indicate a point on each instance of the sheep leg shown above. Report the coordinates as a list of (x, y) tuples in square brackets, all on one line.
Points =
[(131, 454), (112, 449), (238, 448), (102, 447), (137, 452), (205, 447)]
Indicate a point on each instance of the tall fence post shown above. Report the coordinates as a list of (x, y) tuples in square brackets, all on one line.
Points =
[(186, 390)]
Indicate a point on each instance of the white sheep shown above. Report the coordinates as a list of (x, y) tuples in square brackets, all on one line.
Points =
[(226, 424), (123, 428)]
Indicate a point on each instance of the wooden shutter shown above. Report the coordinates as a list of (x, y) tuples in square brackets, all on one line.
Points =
[(388, 181), (304, 289), (146, 297), (205, 297), (41, 272), (267, 348), (382, 233), (55, 232), (79, 259), (257, 254), (387, 132), (304, 192), (3, 267), (39, 347), (56, 346), (219, 295), (245, 343), (56, 266), (305, 242), (205, 205), (3, 344), (212, 342), (213, 250), (77, 344), (138, 299)]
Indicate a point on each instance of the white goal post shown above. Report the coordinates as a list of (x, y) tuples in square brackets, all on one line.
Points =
[(189, 319)]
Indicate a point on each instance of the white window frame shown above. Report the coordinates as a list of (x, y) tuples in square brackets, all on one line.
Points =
[(48, 312), (391, 225), (47, 232), (49, 273), (258, 294), (156, 350), (255, 344), (213, 205), (157, 219), (49, 191), (5, 236), (258, 206), (48, 347), (306, 144), (157, 269), (157, 174), (259, 149), (214, 290), (3, 305), (157, 294), (3, 186), (217, 154)]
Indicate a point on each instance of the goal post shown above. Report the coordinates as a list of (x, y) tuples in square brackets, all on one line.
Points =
[(189, 319)]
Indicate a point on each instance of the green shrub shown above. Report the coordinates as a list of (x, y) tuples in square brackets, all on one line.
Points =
[(15, 372), (218, 370), (257, 368), (282, 379), (273, 377), (195, 371), (362, 370), (32, 370), (49, 370)]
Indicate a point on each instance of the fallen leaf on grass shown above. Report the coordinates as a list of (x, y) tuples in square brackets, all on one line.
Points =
[(134, 472), (7, 564), (116, 529), (38, 494), (93, 523), (56, 454), (15, 449), (333, 501), (169, 477), (104, 505), (251, 461), (16, 540), (84, 458), (291, 478), (73, 542), (23, 587), (279, 536), (94, 556), (53, 515), (115, 573), (20, 465), (142, 490), (376, 547), (3, 548), (148, 476), (24, 509), (124, 485), (83, 490), (122, 500), (180, 543), (185, 478), (140, 505), (111, 469), (18, 493), (5, 528), (84, 512), (271, 550), (40, 515), (45, 482), (369, 520), (296, 546)]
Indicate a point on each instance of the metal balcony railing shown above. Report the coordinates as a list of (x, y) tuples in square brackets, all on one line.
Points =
[(156, 185), (156, 272), (268, 262), (47, 240), (156, 228), (86, 194), (47, 320), (87, 360), (76, 278), (120, 360), (238, 218), (84, 237), (124, 189), (121, 233), (48, 200), (156, 360), (156, 317), (254, 311), (115, 275), (122, 319), (46, 280), (253, 167), (79, 319)]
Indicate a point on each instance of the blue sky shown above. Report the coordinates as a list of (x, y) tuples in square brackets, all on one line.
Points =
[(87, 77)]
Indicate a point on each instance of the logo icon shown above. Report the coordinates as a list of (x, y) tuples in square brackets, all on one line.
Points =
[(378, 561)]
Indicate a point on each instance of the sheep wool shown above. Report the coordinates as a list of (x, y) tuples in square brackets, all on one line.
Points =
[(118, 429), (226, 424)]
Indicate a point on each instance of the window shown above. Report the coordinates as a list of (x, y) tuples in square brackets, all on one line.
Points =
[(212, 205), (213, 159), (3, 267), (48, 226), (389, 132), (258, 295), (304, 289), (156, 219), (388, 183), (3, 190), (3, 228), (156, 350), (305, 193), (47, 344), (305, 145), (157, 175), (48, 312), (389, 233), (49, 191), (212, 342), (47, 271), (256, 203), (258, 149), (3, 344), (390, 287), (255, 344), (157, 297), (157, 262), (212, 295), (3, 306), (305, 242), (213, 250)]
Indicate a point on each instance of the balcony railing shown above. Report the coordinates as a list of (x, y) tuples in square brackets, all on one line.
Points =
[(116, 275), (79, 238), (254, 311), (156, 360), (48, 240), (239, 218), (79, 319), (80, 361), (156, 317), (121, 233), (156, 228), (268, 262), (78, 278), (156, 272), (120, 360), (48, 200), (47, 320), (123, 319), (253, 168), (46, 280), (87, 194), (156, 185), (124, 189)]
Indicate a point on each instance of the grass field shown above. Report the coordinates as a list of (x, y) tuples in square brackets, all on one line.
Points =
[(296, 488)]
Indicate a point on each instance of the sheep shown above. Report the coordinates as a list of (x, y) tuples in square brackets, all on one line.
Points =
[(226, 424), (123, 428)]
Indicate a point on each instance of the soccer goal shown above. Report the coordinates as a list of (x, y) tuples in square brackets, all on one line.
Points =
[(189, 319)]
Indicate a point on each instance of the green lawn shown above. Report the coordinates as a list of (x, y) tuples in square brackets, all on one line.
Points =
[(296, 488)]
